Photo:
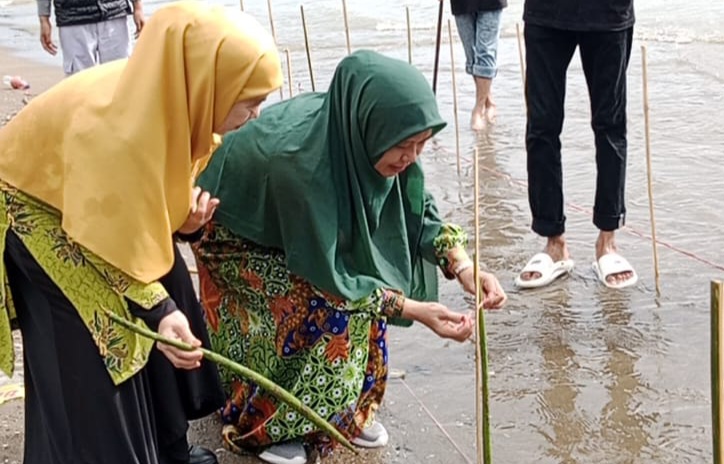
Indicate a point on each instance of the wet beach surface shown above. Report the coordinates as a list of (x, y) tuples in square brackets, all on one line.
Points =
[(579, 373)]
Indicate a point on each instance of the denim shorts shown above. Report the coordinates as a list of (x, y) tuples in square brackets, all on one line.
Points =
[(479, 33)]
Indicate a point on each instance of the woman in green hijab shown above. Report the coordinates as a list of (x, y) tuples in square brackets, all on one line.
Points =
[(323, 232)]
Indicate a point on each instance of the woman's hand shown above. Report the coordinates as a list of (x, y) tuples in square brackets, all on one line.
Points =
[(442, 321), (202, 210), (493, 295), (176, 327)]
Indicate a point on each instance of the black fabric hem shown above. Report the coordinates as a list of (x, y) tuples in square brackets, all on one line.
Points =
[(548, 229), (609, 223), (193, 237), (460, 7), (578, 26), (152, 317)]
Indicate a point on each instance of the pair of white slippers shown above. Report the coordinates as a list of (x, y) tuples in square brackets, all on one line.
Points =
[(609, 264)]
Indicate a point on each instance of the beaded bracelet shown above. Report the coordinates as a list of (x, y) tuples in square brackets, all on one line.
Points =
[(392, 303)]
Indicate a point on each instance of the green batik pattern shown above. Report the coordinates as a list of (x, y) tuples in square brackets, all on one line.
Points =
[(326, 387), (88, 282), (450, 236), (256, 311), (7, 352)]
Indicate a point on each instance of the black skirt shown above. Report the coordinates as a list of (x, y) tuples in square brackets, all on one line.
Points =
[(73, 411), (181, 395)]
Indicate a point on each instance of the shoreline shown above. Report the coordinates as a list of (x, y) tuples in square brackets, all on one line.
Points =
[(40, 77)]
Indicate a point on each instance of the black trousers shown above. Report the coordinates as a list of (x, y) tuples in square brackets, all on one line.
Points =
[(605, 57)]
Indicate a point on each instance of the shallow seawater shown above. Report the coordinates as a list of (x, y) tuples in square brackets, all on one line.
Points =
[(579, 374)]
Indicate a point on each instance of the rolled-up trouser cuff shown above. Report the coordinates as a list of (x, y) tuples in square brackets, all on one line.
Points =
[(608, 223), (486, 72), (547, 228)]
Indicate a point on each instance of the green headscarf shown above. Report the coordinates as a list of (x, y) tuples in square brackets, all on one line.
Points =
[(301, 178)]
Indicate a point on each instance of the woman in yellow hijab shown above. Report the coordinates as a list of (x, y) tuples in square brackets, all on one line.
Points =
[(96, 176)]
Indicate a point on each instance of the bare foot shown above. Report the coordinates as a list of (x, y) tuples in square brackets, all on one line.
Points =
[(557, 249), (605, 245), (491, 110), (477, 120)]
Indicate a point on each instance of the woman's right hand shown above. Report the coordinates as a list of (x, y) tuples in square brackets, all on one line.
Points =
[(176, 327), (439, 319), (203, 207)]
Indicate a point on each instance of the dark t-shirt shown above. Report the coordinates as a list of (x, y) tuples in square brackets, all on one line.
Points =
[(472, 6), (580, 15)]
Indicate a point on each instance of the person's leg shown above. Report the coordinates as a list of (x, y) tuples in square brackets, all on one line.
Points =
[(79, 45), (114, 40), (466, 25), (485, 67), (605, 57), (75, 412), (548, 54)]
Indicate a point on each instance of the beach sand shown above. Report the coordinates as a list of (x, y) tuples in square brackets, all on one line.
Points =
[(205, 432)]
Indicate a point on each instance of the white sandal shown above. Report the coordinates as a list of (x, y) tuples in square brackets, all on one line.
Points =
[(549, 271), (613, 263)]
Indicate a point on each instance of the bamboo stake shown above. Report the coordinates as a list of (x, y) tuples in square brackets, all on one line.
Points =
[(259, 379), (306, 46), (271, 19), (455, 95), (649, 174), (438, 38), (520, 53), (346, 26), (409, 35), (289, 72), (274, 36), (717, 366), (482, 410)]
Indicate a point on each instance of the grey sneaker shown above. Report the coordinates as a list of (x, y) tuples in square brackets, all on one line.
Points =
[(374, 436), (289, 452)]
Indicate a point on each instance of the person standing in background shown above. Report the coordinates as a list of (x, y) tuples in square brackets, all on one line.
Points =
[(603, 32), (91, 32), (478, 24)]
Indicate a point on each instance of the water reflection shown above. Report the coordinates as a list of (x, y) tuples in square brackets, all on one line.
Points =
[(624, 426)]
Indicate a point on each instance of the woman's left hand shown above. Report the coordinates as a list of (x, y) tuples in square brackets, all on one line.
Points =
[(493, 295), (202, 210)]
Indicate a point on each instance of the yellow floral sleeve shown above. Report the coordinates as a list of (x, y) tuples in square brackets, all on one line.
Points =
[(90, 284)]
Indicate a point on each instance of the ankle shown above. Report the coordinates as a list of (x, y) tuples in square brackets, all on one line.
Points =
[(605, 243), (556, 248)]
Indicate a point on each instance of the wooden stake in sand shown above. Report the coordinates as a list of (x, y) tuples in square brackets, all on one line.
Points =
[(438, 39), (346, 26), (289, 72), (409, 35), (482, 393), (455, 95), (649, 174), (271, 19), (520, 53), (306, 46), (717, 366), (274, 36)]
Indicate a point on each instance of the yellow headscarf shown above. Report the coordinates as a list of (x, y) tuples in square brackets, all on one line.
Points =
[(114, 148)]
